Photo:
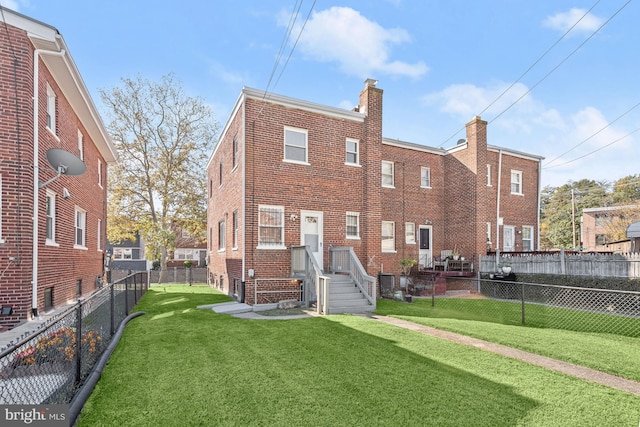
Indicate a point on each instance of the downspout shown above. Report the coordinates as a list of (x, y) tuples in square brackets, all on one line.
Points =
[(36, 176), (539, 203), (242, 202), (498, 206)]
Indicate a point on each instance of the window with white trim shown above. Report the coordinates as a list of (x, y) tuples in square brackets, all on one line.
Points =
[(236, 229), (425, 177), (50, 207), (488, 175), (488, 233), (80, 145), (388, 236), (122, 253), (99, 239), (270, 227), (410, 233), (527, 238), (235, 151), (100, 173), (387, 174), (516, 182), (221, 235), (295, 145), (353, 152), (80, 228), (183, 254), (51, 109), (353, 225)]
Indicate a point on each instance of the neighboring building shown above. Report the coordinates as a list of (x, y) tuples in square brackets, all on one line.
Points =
[(128, 255), (288, 172), (188, 248), (597, 225), (45, 105)]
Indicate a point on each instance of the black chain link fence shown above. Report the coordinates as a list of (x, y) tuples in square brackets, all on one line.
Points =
[(50, 365), (546, 306)]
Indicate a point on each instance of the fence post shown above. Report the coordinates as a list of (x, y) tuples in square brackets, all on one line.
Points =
[(78, 341), (113, 309), (126, 296), (135, 289), (522, 296)]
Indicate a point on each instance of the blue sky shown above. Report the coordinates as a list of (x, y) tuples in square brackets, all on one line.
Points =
[(574, 100)]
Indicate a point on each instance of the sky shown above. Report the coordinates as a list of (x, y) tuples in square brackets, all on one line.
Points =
[(554, 78)]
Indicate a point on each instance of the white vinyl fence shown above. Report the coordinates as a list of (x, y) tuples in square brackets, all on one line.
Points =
[(595, 265)]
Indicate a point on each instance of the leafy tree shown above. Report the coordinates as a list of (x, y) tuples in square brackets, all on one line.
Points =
[(626, 190), (164, 139)]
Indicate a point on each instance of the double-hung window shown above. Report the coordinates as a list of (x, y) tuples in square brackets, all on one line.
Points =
[(271, 227), (488, 175), (221, 235), (353, 152), (80, 145), (51, 110), (100, 173), (80, 228), (235, 151), (295, 145), (387, 174), (425, 177), (236, 229), (388, 236), (50, 201), (410, 233), (353, 225), (527, 238), (516, 182)]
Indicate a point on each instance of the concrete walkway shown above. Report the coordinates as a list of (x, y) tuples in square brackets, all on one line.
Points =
[(588, 374), (27, 328)]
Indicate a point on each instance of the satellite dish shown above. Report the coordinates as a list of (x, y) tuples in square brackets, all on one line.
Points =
[(461, 141), (65, 163)]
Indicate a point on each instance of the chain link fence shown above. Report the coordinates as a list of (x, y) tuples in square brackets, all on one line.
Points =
[(547, 306), (49, 366)]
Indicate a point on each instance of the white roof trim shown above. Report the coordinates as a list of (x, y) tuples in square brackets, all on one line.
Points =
[(412, 146), (515, 153)]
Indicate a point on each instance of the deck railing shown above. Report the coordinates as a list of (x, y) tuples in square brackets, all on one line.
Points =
[(344, 260), (315, 283)]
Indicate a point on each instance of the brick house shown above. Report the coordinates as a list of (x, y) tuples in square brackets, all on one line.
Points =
[(597, 223), (288, 173), (45, 105)]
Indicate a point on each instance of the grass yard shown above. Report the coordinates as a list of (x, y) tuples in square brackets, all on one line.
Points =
[(491, 321), (180, 366)]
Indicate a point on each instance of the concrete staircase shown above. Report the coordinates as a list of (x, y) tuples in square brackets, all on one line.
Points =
[(345, 296)]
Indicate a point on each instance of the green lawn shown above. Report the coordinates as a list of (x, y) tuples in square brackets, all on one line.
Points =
[(180, 366), (499, 322)]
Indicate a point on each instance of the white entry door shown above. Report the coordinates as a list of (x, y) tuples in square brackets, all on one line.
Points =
[(424, 252), (311, 233), (508, 234)]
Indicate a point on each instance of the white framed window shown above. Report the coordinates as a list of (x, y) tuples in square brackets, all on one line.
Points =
[(270, 227), (185, 234), (387, 174), (221, 177), (425, 177), (80, 229), (388, 236), (410, 233), (99, 239), (296, 145), (527, 238), (50, 207), (100, 173), (236, 146), (236, 229), (221, 235), (488, 233), (353, 225), (516, 182), (488, 175), (183, 254), (51, 109), (122, 253), (80, 145), (353, 152)]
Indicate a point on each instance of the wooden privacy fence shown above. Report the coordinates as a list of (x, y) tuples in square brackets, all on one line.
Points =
[(595, 265)]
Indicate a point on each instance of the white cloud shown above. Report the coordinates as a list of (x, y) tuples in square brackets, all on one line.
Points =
[(562, 21), (11, 4), (359, 46), (219, 71)]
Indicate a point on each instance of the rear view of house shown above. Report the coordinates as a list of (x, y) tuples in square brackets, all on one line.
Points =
[(54, 153), (302, 194)]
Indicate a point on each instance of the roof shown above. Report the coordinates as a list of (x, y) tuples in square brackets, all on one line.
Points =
[(633, 230), (46, 38)]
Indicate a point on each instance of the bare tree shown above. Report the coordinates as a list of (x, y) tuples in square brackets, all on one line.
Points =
[(164, 139)]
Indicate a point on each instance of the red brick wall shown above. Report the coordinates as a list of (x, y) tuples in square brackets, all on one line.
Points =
[(58, 266)]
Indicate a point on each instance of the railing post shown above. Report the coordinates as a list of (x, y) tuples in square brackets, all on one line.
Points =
[(135, 289), (112, 326), (78, 341), (522, 296)]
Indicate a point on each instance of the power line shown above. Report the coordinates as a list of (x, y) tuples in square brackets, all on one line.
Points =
[(587, 139), (526, 71)]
